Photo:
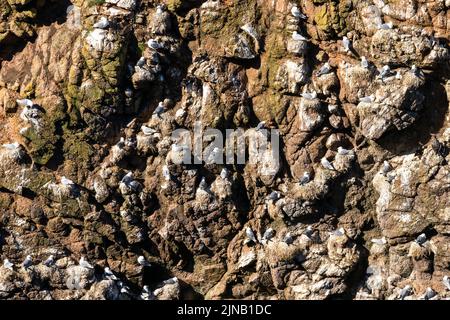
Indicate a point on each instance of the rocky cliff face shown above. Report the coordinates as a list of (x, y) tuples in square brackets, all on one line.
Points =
[(93, 204)]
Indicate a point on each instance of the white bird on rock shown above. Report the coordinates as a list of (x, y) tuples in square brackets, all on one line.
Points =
[(103, 23), (421, 239), (305, 178), (298, 37), (84, 263), (166, 173), (326, 164), (108, 274), (160, 109), (141, 260), (288, 239), (386, 167), (364, 62), (224, 173), (325, 69), (380, 241), (7, 264), (27, 262), (49, 261), (309, 232), (153, 44), (25, 103), (67, 182), (173, 280), (343, 151), (274, 195), (309, 96), (295, 11), (406, 291), (268, 234), (250, 235), (141, 62), (446, 282), (385, 71), (414, 70), (260, 126), (429, 294), (147, 130), (346, 43)]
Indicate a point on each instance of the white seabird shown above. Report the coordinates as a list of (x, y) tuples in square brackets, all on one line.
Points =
[(153, 44), (346, 43), (25, 103), (7, 264), (160, 109), (103, 23), (147, 130), (141, 62), (309, 232), (380, 241), (305, 178), (268, 234), (295, 11), (166, 173), (274, 195), (27, 262), (364, 62), (67, 182), (108, 274), (343, 151), (288, 239), (421, 239), (49, 261), (446, 282), (326, 164), (406, 291), (298, 37), (84, 264), (414, 70), (260, 125), (309, 96), (224, 173), (386, 167), (325, 69), (385, 71), (143, 262), (171, 281), (250, 235), (429, 294)]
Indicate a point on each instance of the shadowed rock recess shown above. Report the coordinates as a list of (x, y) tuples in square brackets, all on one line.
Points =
[(93, 205)]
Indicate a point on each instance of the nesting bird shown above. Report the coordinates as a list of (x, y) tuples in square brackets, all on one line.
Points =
[(386, 167), (325, 69), (421, 239), (309, 95), (7, 264), (343, 151), (288, 239), (108, 274), (295, 11), (128, 184), (160, 109), (260, 126), (143, 262), (224, 173), (406, 291), (346, 44), (153, 44), (385, 71), (429, 294), (49, 261), (250, 235), (166, 173), (84, 263), (446, 282), (268, 234), (274, 195), (103, 23), (147, 130), (380, 241), (326, 164), (368, 99), (298, 37), (305, 178), (28, 262), (364, 62)]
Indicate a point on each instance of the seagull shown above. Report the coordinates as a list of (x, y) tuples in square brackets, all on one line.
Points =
[(309, 231), (325, 69), (385, 26), (147, 130), (364, 62), (25, 103), (326, 164), (421, 239), (141, 62), (50, 261), (385, 71), (159, 110), (27, 262), (398, 75), (153, 44), (103, 23), (305, 178), (309, 96), (346, 43), (260, 125), (333, 108), (274, 195), (8, 265), (146, 293), (66, 182), (166, 172), (379, 241), (108, 274), (429, 294), (268, 234), (406, 291), (11, 146), (288, 239), (298, 37), (368, 99), (343, 151), (250, 235), (414, 70), (445, 281), (84, 264), (171, 281), (386, 167), (203, 185), (141, 260), (297, 13), (224, 173), (339, 232)]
